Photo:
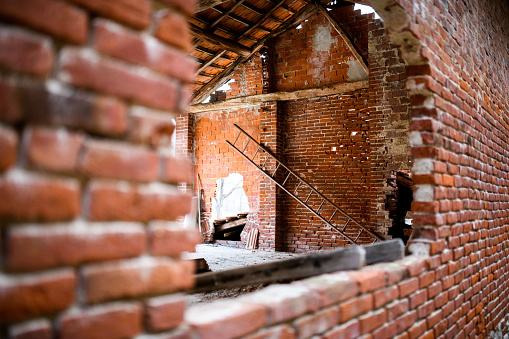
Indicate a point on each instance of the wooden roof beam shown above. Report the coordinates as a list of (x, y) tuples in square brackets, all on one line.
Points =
[(346, 37), (216, 82), (225, 14), (262, 19), (220, 41), (209, 62)]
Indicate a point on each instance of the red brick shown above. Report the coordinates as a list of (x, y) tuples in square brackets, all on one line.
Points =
[(373, 320), (135, 13), (318, 322), (124, 202), (173, 29), (53, 105), (350, 330), (34, 197), (332, 287), (142, 50), (119, 161), (368, 280), (22, 51), (29, 296), (281, 332), (405, 321), (165, 313), (175, 170), (137, 277), (167, 239), (385, 296), (396, 308), (85, 69), (35, 329), (115, 321), (225, 320), (8, 147), (34, 247), (52, 149), (187, 7), (57, 18), (418, 298), (150, 127), (353, 308), (9, 110), (284, 302), (408, 287)]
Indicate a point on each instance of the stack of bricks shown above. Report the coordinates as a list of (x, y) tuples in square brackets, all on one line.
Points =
[(88, 94)]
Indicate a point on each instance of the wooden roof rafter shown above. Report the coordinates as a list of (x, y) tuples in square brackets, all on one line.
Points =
[(202, 93)]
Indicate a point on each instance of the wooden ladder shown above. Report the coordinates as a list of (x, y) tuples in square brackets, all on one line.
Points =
[(282, 171)]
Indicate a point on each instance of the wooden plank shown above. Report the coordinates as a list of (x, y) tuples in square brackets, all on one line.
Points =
[(225, 14), (206, 4), (209, 62), (346, 37), (384, 251), (220, 41), (279, 96), (231, 224), (347, 258), (262, 19)]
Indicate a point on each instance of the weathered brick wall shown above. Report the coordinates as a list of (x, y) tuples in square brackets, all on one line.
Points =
[(327, 141), (459, 132), (215, 159), (248, 79), (315, 55), (87, 100)]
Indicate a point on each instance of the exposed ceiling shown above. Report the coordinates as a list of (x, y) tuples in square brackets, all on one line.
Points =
[(228, 33)]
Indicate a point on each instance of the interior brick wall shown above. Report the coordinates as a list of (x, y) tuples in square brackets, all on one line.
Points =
[(327, 141), (88, 199), (298, 64), (367, 159)]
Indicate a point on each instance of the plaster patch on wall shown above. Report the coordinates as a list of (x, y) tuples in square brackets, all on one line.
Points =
[(355, 71), (322, 40), (230, 197)]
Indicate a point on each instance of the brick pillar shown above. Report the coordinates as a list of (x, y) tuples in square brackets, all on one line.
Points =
[(184, 135), (270, 210), (88, 206), (389, 123)]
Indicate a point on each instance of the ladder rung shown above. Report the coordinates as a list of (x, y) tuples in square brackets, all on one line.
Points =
[(284, 182), (237, 138), (296, 188), (247, 143), (320, 207), (358, 236), (263, 165), (333, 214), (274, 173), (254, 156), (308, 196), (347, 222)]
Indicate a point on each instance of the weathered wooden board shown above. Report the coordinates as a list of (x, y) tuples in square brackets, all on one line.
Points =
[(384, 251), (348, 258)]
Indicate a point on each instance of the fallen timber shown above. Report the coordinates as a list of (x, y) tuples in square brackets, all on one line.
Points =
[(303, 266)]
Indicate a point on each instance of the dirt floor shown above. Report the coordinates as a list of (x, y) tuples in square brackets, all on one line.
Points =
[(220, 258)]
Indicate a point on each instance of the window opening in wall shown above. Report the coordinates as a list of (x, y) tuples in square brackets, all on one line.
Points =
[(265, 71)]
